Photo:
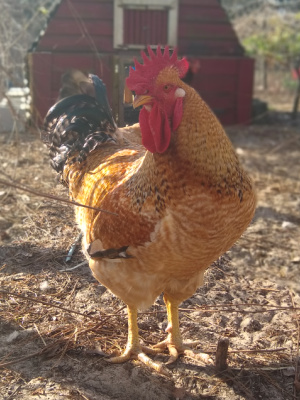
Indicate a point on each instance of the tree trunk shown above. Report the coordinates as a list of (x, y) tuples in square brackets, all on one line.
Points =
[(264, 67), (297, 96)]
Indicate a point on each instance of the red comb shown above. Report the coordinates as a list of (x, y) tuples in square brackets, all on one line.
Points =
[(142, 74)]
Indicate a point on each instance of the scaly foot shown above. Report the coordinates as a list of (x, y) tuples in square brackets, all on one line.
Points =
[(174, 340), (133, 348)]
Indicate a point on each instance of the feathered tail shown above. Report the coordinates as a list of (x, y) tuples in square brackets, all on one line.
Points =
[(78, 124)]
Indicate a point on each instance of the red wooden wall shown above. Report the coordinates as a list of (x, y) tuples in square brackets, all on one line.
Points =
[(204, 30), (79, 26), (226, 85), (145, 26), (80, 35), (46, 70)]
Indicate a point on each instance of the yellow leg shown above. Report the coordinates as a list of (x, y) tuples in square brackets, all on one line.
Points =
[(133, 348), (174, 340)]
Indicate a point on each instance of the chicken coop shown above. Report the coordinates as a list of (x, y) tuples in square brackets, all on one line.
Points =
[(103, 36)]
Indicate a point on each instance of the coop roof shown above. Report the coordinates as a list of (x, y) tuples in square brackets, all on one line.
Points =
[(75, 26)]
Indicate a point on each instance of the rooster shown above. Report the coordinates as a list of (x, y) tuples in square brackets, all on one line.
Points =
[(168, 195)]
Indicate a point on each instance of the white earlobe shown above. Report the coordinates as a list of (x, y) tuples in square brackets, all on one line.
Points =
[(179, 92)]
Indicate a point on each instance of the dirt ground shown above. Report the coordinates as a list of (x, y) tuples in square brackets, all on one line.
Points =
[(57, 323)]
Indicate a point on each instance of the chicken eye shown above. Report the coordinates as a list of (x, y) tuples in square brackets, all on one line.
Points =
[(167, 88)]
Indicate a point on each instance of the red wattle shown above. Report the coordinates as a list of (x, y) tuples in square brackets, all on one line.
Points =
[(147, 138), (156, 130)]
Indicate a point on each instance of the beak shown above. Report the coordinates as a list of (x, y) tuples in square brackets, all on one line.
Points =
[(141, 100)]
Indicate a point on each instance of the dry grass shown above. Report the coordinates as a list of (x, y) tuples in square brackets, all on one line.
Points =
[(57, 321)]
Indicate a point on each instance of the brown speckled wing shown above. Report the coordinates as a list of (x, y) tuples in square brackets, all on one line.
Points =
[(111, 180)]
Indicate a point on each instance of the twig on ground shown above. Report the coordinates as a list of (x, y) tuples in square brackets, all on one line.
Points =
[(221, 354), (297, 377), (75, 267), (73, 248), (46, 303)]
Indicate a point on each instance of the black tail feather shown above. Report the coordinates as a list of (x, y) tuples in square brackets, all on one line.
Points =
[(78, 124)]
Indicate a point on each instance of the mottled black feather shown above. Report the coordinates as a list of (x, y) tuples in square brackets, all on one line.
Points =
[(78, 125), (101, 97)]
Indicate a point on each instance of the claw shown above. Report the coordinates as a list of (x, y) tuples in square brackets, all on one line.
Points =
[(174, 354), (153, 365), (141, 356), (162, 345), (181, 349), (151, 350), (198, 356), (126, 356)]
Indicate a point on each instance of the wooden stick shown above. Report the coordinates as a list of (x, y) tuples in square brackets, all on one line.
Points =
[(221, 354)]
